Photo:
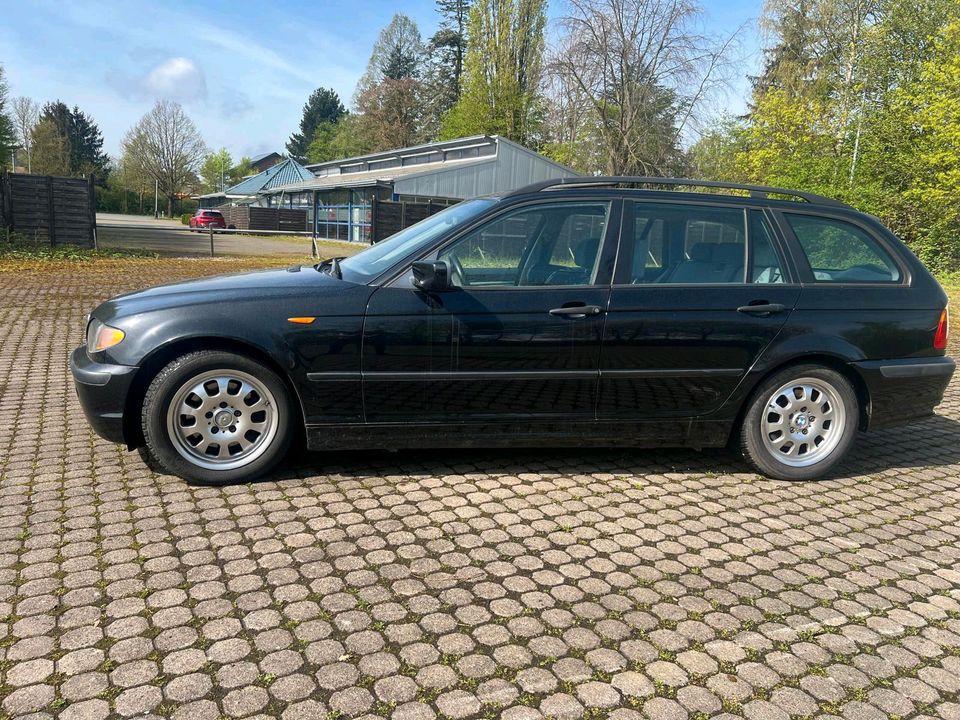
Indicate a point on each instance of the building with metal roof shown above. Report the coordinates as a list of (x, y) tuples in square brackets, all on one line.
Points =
[(340, 193), (247, 191)]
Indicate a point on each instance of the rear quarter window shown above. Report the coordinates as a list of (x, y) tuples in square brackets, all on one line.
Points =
[(841, 252)]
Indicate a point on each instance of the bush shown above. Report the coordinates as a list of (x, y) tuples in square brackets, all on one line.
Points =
[(185, 218)]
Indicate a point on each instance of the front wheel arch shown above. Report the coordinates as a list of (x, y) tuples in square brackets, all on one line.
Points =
[(161, 357)]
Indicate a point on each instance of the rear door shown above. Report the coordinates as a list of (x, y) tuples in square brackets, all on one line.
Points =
[(699, 292)]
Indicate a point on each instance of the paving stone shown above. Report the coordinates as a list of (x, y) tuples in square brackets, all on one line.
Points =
[(396, 689), (597, 695), (245, 701), (138, 700), (561, 706)]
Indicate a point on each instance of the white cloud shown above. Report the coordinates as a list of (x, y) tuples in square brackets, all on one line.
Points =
[(177, 79)]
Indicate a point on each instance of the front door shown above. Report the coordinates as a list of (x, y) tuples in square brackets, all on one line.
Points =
[(517, 338), (700, 291)]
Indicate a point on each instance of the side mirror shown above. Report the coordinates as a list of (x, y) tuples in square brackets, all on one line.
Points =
[(431, 275)]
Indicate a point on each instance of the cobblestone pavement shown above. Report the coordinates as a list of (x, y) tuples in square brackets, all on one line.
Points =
[(417, 585)]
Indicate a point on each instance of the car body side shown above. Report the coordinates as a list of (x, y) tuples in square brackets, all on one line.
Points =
[(877, 334)]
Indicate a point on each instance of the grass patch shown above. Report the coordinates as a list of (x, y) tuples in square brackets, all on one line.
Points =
[(21, 249)]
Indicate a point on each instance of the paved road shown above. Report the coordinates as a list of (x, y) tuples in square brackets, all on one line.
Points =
[(513, 584), (171, 237)]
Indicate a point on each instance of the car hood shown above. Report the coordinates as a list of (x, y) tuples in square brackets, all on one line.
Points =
[(294, 281)]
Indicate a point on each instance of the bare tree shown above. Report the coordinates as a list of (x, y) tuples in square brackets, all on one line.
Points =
[(26, 114), (166, 146), (644, 69)]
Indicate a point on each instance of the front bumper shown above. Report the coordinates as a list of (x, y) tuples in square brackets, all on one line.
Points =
[(102, 390), (904, 390)]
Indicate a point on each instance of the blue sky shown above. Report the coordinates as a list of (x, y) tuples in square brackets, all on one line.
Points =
[(242, 70)]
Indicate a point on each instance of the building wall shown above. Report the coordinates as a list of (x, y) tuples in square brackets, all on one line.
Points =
[(512, 168)]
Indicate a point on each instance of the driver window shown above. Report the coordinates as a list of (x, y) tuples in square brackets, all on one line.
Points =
[(532, 246)]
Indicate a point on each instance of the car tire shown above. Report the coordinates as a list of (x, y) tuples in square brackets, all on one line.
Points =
[(216, 417), (800, 422)]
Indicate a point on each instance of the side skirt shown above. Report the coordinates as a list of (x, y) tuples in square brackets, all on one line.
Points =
[(397, 436)]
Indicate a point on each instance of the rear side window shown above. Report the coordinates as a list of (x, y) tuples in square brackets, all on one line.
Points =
[(841, 252), (684, 244)]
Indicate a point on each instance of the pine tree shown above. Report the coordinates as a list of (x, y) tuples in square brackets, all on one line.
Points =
[(444, 64), (323, 106), (82, 137)]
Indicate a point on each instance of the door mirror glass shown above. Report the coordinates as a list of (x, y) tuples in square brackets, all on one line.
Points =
[(431, 275)]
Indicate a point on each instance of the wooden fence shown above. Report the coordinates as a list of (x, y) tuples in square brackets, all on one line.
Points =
[(388, 216), (49, 209), (246, 217)]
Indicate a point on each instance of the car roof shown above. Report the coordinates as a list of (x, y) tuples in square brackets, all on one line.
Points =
[(679, 188)]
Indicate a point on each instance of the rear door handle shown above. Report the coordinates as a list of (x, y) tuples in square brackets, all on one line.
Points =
[(576, 312), (762, 308)]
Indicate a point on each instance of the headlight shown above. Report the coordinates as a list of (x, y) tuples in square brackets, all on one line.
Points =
[(101, 337)]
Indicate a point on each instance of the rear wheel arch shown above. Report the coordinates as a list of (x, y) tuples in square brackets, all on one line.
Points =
[(161, 357), (832, 362)]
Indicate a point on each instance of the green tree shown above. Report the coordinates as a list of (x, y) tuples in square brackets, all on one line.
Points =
[(51, 151), (82, 136), (321, 146), (8, 136), (350, 138), (501, 72), (934, 105), (215, 171), (242, 169), (322, 106)]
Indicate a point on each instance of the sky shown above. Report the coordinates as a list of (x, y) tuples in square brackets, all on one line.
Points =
[(242, 70)]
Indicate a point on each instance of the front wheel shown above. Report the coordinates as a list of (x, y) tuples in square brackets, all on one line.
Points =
[(215, 417), (800, 423)]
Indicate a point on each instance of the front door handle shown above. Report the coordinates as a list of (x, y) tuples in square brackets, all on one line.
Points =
[(576, 312), (762, 308)]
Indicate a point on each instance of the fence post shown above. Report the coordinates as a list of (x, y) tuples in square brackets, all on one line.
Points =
[(91, 189), (51, 213), (210, 228), (6, 202)]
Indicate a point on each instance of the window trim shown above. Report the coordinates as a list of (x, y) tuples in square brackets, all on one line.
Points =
[(805, 271), (605, 257), (788, 269)]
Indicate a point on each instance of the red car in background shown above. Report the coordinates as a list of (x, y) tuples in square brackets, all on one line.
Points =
[(204, 219)]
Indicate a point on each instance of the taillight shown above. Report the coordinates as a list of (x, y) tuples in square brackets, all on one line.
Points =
[(943, 329)]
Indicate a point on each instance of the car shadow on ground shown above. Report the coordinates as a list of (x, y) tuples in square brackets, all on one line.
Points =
[(928, 443)]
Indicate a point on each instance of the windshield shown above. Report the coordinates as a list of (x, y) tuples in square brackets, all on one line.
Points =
[(369, 263)]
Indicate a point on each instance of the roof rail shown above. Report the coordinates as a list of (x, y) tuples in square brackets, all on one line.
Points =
[(757, 191)]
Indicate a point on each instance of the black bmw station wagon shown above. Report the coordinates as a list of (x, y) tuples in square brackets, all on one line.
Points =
[(584, 311)]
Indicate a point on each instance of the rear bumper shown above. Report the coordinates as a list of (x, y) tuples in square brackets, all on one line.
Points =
[(102, 390), (904, 390)]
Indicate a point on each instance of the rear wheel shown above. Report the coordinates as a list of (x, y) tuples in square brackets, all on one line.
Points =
[(216, 417), (800, 423)]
